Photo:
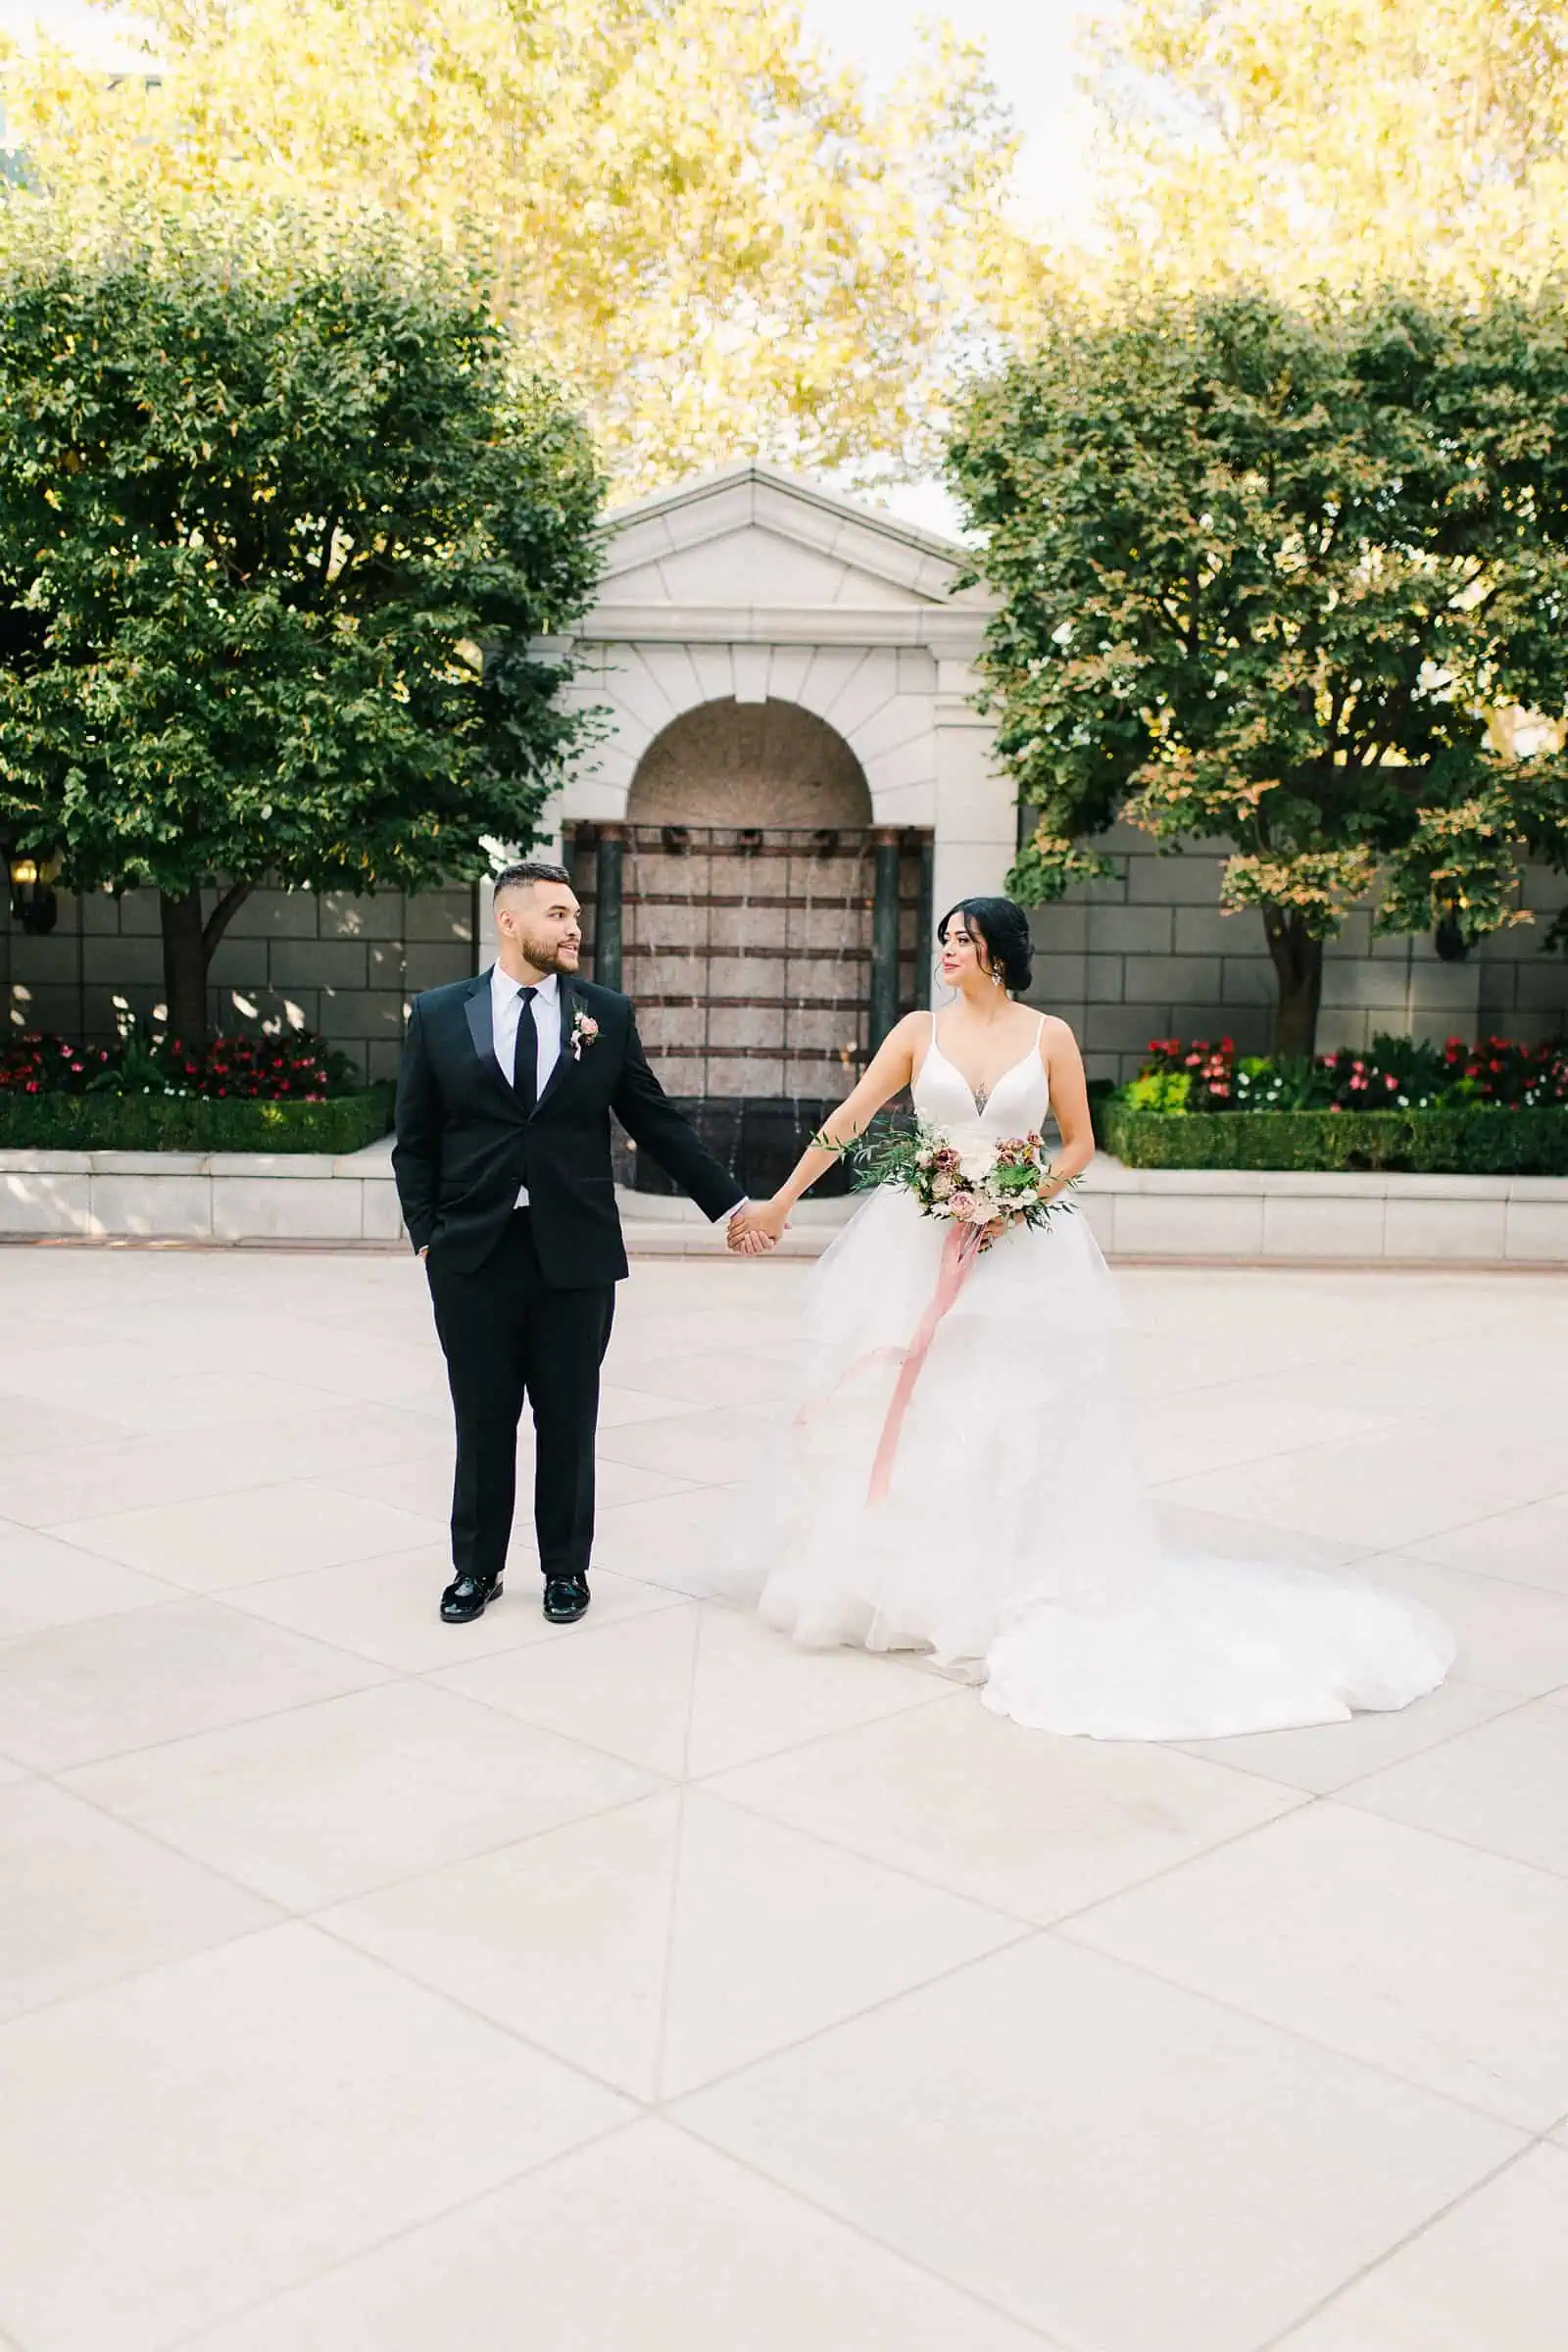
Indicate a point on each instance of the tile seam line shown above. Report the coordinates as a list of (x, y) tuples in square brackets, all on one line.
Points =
[(1398, 1552), (151, 1968), (1525, 2133), (344, 2262), (1278, 1453), (1166, 1262), (364, 1559), (1516, 1700), (455, 2003), (1019, 1919), (900, 2254), (213, 1593), (842, 1730), (381, 1678), (604, 1755), (1280, 2341), (1162, 1495), (305, 1915), (678, 1861), (1486, 1575), (1550, 1870), (1027, 1933), (189, 1435)]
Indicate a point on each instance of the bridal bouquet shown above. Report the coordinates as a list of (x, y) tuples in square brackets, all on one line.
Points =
[(983, 1183)]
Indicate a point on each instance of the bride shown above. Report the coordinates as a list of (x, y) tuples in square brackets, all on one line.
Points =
[(1012, 1541)]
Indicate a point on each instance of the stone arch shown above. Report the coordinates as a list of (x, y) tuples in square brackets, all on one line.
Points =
[(770, 928), (728, 763), (879, 701)]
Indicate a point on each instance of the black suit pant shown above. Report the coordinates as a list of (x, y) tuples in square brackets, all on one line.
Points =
[(508, 1340)]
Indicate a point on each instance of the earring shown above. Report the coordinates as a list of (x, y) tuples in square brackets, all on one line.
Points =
[(995, 979)]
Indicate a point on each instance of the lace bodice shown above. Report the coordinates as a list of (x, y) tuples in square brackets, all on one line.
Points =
[(1015, 1105)]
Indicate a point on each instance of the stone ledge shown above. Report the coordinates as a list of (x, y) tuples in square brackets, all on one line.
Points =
[(1235, 1215)]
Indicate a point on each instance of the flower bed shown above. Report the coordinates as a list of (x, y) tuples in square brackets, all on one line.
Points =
[(296, 1066), (192, 1122), (148, 1092), (1495, 1109)]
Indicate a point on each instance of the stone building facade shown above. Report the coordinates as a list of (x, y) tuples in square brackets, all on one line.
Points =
[(792, 780)]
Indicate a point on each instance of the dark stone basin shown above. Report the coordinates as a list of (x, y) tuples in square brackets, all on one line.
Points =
[(757, 1137)]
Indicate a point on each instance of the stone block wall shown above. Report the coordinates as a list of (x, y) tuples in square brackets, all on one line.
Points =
[(320, 960), (1150, 954), (1524, 993)]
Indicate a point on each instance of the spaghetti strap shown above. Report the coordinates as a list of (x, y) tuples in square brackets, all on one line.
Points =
[(931, 1046)]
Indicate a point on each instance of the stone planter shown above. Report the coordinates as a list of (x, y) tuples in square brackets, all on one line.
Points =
[(1240, 1214)]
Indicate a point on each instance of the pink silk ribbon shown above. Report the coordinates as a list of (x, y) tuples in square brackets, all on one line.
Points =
[(959, 1250)]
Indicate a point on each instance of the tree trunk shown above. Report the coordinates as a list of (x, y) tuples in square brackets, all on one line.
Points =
[(186, 954), (1298, 969), (189, 946)]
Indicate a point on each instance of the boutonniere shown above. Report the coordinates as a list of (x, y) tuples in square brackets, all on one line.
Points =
[(584, 1033)]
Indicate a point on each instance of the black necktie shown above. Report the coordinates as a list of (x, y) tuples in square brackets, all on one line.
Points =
[(525, 1065)]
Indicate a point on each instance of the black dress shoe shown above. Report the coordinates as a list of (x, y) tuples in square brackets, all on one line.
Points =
[(566, 1598), (467, 1597)]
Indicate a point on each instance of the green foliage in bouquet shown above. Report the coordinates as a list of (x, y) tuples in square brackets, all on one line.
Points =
[(984, 1183)]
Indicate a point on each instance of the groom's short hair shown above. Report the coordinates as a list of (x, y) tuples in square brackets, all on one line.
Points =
[(525, 871)]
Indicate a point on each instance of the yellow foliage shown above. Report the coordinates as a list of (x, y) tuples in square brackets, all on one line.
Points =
[(724, 243), (1335, 141)]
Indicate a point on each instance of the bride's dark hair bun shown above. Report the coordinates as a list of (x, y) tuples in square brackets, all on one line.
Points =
[(1004, 930)]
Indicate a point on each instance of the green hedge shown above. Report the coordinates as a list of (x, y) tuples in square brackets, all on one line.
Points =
[(191, 1123), (1478, 1140)]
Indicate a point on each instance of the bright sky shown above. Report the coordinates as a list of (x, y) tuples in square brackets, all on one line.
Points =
[(76, 27), (1030, 47), (1029, 44)]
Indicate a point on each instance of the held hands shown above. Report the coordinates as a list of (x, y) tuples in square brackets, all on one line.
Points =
[(756, 1228)]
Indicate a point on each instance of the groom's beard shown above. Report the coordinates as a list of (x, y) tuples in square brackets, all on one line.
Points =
[(550, 955)]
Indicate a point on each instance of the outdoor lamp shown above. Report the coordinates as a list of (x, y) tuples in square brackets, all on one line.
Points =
[(32, 900)]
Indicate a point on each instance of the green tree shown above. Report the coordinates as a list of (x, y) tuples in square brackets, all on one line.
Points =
[(277, 525), (1294, 581), (728, 245)]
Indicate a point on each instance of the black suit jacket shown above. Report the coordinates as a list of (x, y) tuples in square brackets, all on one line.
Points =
[(464, 1142)]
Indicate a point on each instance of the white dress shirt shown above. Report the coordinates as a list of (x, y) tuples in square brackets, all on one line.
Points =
[(506, 1011)]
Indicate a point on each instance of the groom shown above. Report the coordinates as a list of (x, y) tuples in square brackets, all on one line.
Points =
[(501, 1159)]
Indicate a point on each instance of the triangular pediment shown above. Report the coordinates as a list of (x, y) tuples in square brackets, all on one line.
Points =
[(753, 535)]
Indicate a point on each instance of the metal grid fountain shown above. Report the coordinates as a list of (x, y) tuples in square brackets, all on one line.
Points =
[(748, 952)]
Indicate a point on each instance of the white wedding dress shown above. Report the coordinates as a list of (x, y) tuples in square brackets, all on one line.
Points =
[(1014, 1544)]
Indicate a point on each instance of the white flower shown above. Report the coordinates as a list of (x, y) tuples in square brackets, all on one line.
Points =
[(976, 1162)]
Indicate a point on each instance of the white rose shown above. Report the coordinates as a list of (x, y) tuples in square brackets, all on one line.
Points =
[(977, 1162)]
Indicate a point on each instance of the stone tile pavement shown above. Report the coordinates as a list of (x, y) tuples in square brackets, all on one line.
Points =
[(367, 1982)]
